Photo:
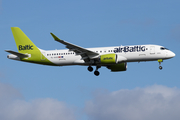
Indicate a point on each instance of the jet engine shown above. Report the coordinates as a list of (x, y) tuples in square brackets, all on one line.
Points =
[(111, 59), (118, 67)]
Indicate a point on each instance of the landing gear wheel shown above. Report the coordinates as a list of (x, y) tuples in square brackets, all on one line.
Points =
[(90, 69), (160, 60), (160, 67), (96, 73)]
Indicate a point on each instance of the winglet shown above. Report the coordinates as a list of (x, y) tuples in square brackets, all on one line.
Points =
[(55, 37)]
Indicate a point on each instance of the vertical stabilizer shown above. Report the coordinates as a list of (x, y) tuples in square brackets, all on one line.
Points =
[(23, 43), (27, 47)]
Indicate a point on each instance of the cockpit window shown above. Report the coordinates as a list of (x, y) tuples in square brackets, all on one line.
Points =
[(163, 48)]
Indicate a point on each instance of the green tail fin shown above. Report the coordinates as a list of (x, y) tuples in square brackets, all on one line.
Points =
[(27, 47), (23, 43)]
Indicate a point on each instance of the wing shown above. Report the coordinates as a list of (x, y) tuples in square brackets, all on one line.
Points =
[(85, 53)]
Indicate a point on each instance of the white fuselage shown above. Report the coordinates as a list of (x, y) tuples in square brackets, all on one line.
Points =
[(114, 58), (134, 53)]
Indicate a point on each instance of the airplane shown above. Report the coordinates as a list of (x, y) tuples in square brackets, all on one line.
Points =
[(114, 58)]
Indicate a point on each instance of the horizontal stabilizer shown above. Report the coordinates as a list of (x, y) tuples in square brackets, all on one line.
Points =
[(21, 55)]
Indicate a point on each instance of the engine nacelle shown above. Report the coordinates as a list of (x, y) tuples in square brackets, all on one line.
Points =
[(111, 59), (108, 59), (118, 67)]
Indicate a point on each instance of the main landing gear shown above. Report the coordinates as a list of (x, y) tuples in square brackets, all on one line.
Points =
[(90, 69), (160, 60), (96, 72)]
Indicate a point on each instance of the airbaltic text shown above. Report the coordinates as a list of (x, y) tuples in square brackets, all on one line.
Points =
[(129, 49), (25, 47), (108, 58)]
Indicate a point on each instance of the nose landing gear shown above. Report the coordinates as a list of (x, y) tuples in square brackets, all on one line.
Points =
[(160, 60), (160, 67)]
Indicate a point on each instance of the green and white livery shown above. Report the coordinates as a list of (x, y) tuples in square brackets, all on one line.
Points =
[(114, 58)]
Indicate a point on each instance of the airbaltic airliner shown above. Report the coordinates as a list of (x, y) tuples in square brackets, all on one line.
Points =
[(114, 58)]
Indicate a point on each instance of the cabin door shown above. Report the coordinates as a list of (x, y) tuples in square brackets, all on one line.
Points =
[(152, 50)]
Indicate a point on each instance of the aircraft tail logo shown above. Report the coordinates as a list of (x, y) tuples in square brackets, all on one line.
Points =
[(23, 43)]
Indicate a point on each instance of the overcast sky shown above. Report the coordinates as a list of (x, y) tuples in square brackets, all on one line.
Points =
[(31, 91)]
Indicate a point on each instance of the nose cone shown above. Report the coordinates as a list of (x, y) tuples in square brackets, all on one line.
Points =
[(171, 54)]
